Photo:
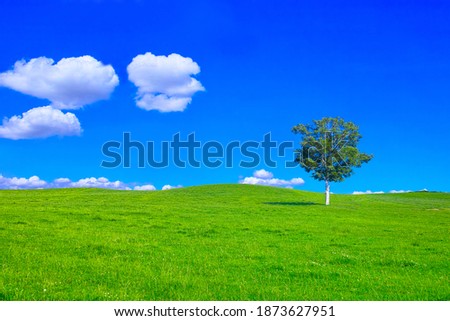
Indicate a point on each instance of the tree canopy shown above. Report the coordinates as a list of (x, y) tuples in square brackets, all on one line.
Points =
[(329, 149)]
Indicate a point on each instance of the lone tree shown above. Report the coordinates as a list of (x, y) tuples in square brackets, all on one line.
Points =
[(329, 150)]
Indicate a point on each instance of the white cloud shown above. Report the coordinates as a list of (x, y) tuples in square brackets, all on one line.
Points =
[(21, 183), (263, 177), (101, 182), (399, 191), (90, 182), (262, 173), (40, 122), (69, 84), (162, 102), (145, 188), (35, 182), (167, 187), (164, 82), (62, 182), (367, 192)]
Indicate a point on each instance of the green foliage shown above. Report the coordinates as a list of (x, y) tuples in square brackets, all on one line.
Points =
[(329, 149), (222, 242)]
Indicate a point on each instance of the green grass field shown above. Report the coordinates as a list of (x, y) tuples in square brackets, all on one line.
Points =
[(223, 242)]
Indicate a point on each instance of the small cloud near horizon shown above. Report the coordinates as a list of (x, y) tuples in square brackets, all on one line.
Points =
[(368, 192), (263, 177), (147, 187), (167, 187), (34, 182)]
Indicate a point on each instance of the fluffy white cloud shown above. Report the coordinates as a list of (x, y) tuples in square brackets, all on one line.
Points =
[(167, 187), (90, 182), (262, 173), (35, 182), (263, 177), (164, 82), (145, 188), (367, 192), (69, 84), (399, 191), (101, 182), (21, 183), (40, 122), (62, 182)]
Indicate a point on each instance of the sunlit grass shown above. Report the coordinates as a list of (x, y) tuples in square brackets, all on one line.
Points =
[(222, 242)]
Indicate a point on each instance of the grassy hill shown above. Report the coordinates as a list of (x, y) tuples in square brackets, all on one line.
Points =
[(222, 242)]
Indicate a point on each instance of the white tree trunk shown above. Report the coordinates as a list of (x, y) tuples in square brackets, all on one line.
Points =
[(327, 193)]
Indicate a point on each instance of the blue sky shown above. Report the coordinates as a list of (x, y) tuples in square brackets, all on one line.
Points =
[(265, 66)]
